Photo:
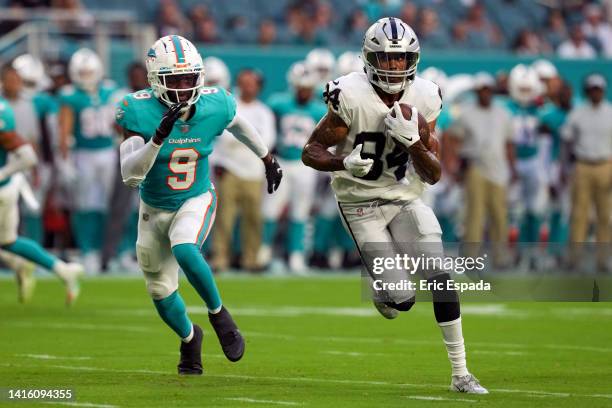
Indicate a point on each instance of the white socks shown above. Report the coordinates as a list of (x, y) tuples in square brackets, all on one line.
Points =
[(215, 311), (188, 338), (452, 334)]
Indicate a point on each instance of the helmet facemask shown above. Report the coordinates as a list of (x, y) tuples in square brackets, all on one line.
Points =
[(391, 71), (176, 86)]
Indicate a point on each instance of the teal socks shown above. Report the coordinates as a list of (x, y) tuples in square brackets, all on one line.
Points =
[(173, 312), (31, 251), (198, 273)]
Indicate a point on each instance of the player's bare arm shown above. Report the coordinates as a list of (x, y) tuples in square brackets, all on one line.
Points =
[(425, 155), (66, 126), (23, 152), (330, 131)]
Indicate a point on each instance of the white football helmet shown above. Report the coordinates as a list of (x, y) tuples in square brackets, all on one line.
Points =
[(387, 38), (85, 69), (322, 61), (174, 55), (31, 70), (545, 69), (348, 62), (524, 85), (436, 76), (302, 75), (217, 73)]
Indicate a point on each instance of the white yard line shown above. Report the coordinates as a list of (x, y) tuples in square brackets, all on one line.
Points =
[(531, 393), (505, 353), (259, 401), (81, 404), (426, 398), (51, 357), (372, 340), (353, 353), (81, 326)]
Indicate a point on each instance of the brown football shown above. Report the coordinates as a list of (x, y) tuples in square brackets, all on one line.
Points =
[(423, 126)]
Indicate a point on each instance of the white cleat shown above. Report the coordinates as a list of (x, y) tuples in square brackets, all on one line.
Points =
[(468, 384), (70, 273), (297, 263), (264, 256), (386, 311), (25, 281)]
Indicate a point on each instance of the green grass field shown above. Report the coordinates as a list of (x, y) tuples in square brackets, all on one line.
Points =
[(310, 342)]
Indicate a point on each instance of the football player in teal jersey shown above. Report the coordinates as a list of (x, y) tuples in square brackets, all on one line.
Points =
[(16, 156), (169, 131), (532, 151), (297, 113), (87, 135)]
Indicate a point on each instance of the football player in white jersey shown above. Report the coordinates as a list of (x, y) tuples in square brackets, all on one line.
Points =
[(379, 199)]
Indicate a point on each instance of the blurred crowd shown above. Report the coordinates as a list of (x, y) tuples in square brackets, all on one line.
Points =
[(526, 158), (569, 28)]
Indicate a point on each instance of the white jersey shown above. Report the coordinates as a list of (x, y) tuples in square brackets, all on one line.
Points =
[(354, 99)]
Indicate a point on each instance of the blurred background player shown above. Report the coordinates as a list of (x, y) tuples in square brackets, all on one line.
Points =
[(121, 228), (530, 196), (17, 155), (239, 177), (87, 137), (297, 113), (551, 117), (588, 134)]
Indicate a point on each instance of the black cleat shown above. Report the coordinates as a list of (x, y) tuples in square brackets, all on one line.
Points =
[(229, 336), (191, 354)]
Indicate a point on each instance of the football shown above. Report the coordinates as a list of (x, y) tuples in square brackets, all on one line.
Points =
[(423, 126)]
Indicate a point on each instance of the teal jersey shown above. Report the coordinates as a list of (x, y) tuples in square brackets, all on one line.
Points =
[(180, 171), (295, 123), (93, 115), (45, 104), (7, 124), (444, 119), (525, 125), (552, 118)]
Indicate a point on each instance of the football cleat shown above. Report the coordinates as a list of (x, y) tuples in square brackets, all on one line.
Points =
[(468, 384), (229, 336), (70, 273), (191, 354), (25, 281), (386, 311)]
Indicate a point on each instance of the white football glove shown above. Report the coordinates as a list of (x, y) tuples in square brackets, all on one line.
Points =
[(400, 129), (357, 166)]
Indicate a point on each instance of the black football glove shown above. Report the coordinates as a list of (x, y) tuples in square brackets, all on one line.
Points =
[(167, 123), (274, 174)]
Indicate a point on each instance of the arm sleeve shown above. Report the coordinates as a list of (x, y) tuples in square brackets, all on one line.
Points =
[(137, 158), (248, 135), (22, 158)]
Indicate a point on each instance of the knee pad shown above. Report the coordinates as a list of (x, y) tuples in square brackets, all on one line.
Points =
[(159, 286), (402, 307)]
